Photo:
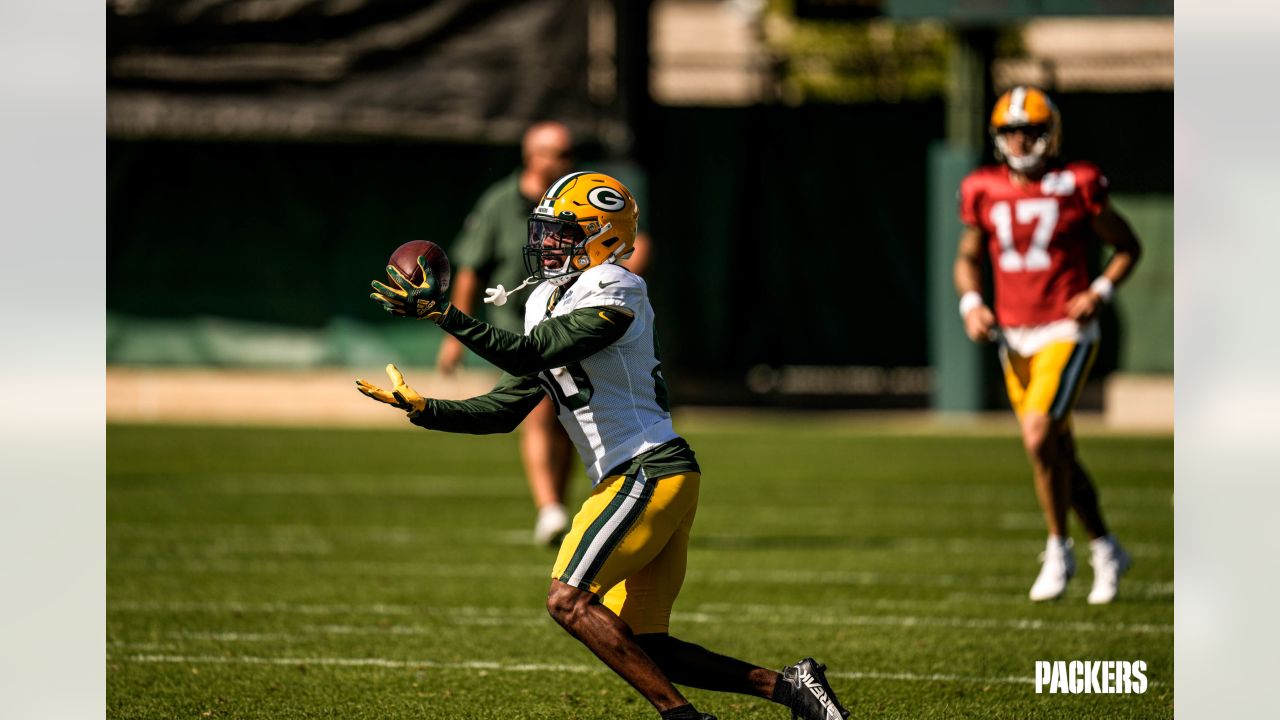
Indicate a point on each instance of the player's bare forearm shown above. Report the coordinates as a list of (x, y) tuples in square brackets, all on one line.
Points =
[(465, 288), (1114, 230), (968, 277), (978, 318), (1120, 266), (967, 272)]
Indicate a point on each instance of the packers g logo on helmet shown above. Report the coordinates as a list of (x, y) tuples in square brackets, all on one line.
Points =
[(1031, 109), (583, 220), (606, 198)]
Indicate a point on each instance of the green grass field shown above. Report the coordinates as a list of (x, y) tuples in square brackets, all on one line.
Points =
[(272, 573)]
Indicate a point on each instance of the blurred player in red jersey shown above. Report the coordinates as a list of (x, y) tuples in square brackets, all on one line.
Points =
[(1036, 217)]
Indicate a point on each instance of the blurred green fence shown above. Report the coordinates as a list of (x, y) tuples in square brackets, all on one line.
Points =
[(1144, 305)]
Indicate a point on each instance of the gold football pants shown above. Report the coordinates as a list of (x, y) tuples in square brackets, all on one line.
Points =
[(629, 544), (1048, 382)]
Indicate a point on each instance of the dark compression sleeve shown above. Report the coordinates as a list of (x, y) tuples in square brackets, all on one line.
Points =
[(553, 343), (498, 411)]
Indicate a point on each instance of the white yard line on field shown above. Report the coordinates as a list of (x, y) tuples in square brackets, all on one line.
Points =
[(255, 566), (332, 630), (1146, 591), (875, 578), (356, 662), (802, 614), (426, 569), (291, 539), (491, 486), (505, 667), (265, 608), (453, 486), (707, 614), (908, 621), (229, 637), (934, 677), (522, 667), (1029, 548), (1134, 517)]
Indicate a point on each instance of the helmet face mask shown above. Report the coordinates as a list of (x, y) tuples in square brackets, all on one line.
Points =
[(584, 219), (1026, 129), (1032, 146), (552, 248)]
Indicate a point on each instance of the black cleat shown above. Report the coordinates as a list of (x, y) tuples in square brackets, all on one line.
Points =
[(812, 697)]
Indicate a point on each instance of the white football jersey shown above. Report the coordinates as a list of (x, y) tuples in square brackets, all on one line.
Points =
[(613, 404)]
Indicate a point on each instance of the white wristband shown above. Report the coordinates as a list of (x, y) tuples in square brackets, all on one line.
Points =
[(969, 301), (1103, 286)]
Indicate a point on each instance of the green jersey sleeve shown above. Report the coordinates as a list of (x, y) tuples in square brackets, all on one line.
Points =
[(553, 343), (498, 411)]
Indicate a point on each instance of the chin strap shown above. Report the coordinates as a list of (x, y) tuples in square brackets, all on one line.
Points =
[(497, 296)]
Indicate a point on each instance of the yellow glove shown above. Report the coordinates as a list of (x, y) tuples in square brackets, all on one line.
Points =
[(401, 395)]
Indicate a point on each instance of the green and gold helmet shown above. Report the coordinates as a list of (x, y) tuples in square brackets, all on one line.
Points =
[(583, 220)]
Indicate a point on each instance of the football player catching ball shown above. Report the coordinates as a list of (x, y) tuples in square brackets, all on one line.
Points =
[(589, 344), (1035, 217)]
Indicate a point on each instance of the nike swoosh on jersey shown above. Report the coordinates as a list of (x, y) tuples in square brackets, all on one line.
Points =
[(604, 284)]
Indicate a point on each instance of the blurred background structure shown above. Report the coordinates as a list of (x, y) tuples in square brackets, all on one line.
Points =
[(265, 157)]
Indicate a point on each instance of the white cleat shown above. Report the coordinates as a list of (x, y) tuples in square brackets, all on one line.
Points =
[(552, 525), (1109, 562), (1059, 565)]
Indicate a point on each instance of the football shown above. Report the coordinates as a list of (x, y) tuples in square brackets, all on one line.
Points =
[(405, 259)]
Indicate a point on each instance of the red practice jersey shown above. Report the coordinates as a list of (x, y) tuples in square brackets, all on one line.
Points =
[(1037, 236)]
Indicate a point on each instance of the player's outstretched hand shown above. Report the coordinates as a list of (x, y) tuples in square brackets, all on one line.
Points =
[(409, 299), (978, 323), (401, 395), (1083, 306)]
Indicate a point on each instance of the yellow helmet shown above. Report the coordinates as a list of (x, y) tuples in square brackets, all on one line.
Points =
[(584, 219), (1026, 108)]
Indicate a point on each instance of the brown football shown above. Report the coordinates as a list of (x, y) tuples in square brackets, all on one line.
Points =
[(405, 259)]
